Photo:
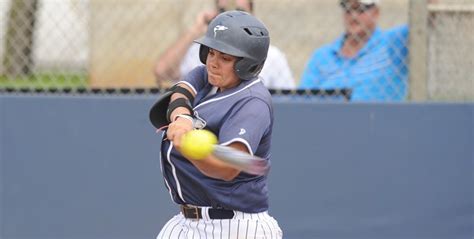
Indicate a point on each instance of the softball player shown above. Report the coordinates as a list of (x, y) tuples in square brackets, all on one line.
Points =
[(226, 97)]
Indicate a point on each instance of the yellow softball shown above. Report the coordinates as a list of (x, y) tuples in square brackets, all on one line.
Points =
[(198, 144)]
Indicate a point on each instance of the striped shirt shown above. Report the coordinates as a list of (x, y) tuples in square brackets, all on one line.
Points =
[(378, 72)]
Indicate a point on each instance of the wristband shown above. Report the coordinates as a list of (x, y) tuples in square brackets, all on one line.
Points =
[(180, 102), (197, 122), (184, 91)]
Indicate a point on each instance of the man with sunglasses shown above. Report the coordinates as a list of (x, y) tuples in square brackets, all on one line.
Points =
[(182, 56), (372, 63)]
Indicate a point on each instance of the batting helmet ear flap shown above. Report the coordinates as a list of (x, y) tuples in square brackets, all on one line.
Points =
[(203, 51), (246, 70)]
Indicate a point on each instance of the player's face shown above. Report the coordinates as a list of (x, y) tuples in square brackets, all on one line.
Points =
[(359, 19), (220, 70)]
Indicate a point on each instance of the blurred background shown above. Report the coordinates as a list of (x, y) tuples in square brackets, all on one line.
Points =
[(115, 44)]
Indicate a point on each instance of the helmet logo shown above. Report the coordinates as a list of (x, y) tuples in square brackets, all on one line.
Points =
[(219, 28)]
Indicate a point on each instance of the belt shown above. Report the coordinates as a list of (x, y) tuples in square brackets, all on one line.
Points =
[(214, 213)]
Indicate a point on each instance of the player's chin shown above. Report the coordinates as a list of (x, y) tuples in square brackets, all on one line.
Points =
[(214, 80)]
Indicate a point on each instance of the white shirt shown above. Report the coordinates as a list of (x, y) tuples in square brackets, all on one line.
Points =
[(276, 73)]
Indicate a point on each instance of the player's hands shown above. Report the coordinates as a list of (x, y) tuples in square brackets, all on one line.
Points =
[(202, 21), (177, 129)]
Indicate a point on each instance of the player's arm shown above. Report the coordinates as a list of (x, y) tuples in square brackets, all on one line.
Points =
[(180, 113), (254, 116), (216, 168)]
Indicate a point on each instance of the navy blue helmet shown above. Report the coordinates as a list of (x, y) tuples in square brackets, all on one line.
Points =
[(239, 34)]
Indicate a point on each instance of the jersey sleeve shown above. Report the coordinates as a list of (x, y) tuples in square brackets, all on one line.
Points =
[(247, 123), (196, 78)]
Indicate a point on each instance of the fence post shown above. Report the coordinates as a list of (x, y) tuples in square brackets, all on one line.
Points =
[(418, 61), (18, 59)]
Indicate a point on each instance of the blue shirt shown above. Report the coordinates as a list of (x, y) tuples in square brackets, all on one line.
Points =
[(378, 72), (243, 114)]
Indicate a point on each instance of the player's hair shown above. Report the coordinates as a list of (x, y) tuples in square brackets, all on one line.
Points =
[(241, 35)]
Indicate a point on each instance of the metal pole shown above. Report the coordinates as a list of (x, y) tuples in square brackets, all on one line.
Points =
[(418, 48)]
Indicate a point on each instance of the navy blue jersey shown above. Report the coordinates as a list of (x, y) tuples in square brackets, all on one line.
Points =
[(242, 114)]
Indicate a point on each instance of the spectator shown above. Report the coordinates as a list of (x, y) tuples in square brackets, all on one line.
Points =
[(367, 60), (182, 56)]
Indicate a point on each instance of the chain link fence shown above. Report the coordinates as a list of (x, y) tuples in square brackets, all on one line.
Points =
[(83, 45), (451, 51)]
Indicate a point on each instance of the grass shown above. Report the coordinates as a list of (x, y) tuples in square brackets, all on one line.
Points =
[(44, 81)]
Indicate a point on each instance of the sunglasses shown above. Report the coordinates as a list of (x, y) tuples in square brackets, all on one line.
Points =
[(362, 8)]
